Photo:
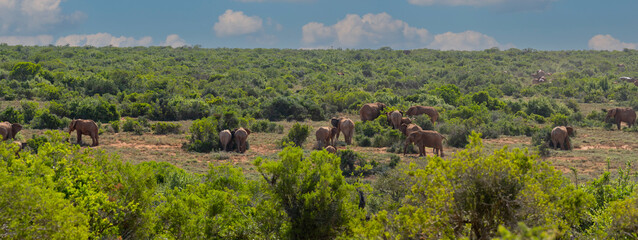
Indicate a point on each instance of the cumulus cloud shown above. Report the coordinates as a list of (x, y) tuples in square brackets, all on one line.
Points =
[(607, 42), (497, 4), (103, 39), (233, 23), (371, 30), (174, 41), (29, 16), (27, 40), (466, 41)]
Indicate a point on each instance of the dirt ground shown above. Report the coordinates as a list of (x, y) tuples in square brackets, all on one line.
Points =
[(595, 150)]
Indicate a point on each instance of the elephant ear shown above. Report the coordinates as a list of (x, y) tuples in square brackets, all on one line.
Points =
[(247, 131), (334, 122), (16, 127), (570, 131), (72, 125)]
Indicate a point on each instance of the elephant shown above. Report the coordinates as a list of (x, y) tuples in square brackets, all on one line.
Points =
[(406, 129), (425, 138), (344, 125), (627, 115), (226, 137), (371, 111), (9, 130), (394, 118), (325, 136), (331, 149), (86, 127), (240, 136), (560, 135), (418, 110), (406, 120)]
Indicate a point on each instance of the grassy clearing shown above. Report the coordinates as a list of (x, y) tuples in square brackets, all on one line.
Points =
[(592, 148)]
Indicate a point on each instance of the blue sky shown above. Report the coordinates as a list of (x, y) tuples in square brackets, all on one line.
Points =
[(400, 24)]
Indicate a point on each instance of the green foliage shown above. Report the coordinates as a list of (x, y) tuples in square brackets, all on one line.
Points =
[(24, 71), (228, 120), (203, 136), (450, 93), (311, 191), (135, 126), (11, 115), (423, 121), (298, 134), (115, 125), (29, 110), (541, 106), (166, 128), (266, 126), (558, 119), (98, 110), (46, 120)]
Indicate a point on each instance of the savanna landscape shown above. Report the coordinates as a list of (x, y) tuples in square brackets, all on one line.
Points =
[(159, 171)]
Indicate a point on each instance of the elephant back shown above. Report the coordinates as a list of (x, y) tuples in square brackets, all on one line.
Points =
[(241, 134)]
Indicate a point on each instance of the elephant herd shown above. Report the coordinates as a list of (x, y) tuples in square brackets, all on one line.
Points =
[(327, 136), (560, 135), (84, 127)]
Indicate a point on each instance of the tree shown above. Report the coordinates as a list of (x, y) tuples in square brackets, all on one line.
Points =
[(312, 192), (24, 70)]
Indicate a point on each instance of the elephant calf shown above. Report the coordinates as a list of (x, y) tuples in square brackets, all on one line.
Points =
[(226, 137), (241, 135), (560, 135), (325, 136)]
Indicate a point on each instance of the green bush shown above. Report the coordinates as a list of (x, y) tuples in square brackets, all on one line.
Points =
[(135, 126), (203, 136), (166, 128), (298, 134), (457, 135), (423, 121), (115, 125), (46, 120), (558, 119), (11, 115), (24, 71), (311, 191), (137, 109), (541, 106), (29, 110), (228, 120), (266, 126)]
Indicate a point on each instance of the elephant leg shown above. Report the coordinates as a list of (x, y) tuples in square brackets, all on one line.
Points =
[(95, 140), (618, 124), (79, 137), (441, 151), (555, 143), (238, 145)]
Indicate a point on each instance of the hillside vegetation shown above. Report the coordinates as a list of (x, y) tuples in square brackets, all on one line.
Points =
[(55, 189)]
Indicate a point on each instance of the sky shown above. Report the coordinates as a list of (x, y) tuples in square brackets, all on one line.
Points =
[(320, 24)]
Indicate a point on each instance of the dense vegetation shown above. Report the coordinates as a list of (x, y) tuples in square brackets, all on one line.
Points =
[(313, 195)]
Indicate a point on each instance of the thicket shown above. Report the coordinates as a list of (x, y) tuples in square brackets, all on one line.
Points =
[(54, 189)]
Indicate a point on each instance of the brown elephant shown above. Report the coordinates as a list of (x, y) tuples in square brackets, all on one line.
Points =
[(9, 130), (371, 111), (425, 138), (325, 136), (85, 127), (331, 149), (225, 137), (406, 129), (560, 135), (344, 125), (240, 136), (394, 118), (626, 115), (406, 120), (418, 110)]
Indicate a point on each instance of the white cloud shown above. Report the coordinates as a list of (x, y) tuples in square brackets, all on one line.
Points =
[(607, 42), (466, 41), (499, 4), (30, 16), (233, 23), (371, 30), (103, 39), (27, 40), (174, 41)]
